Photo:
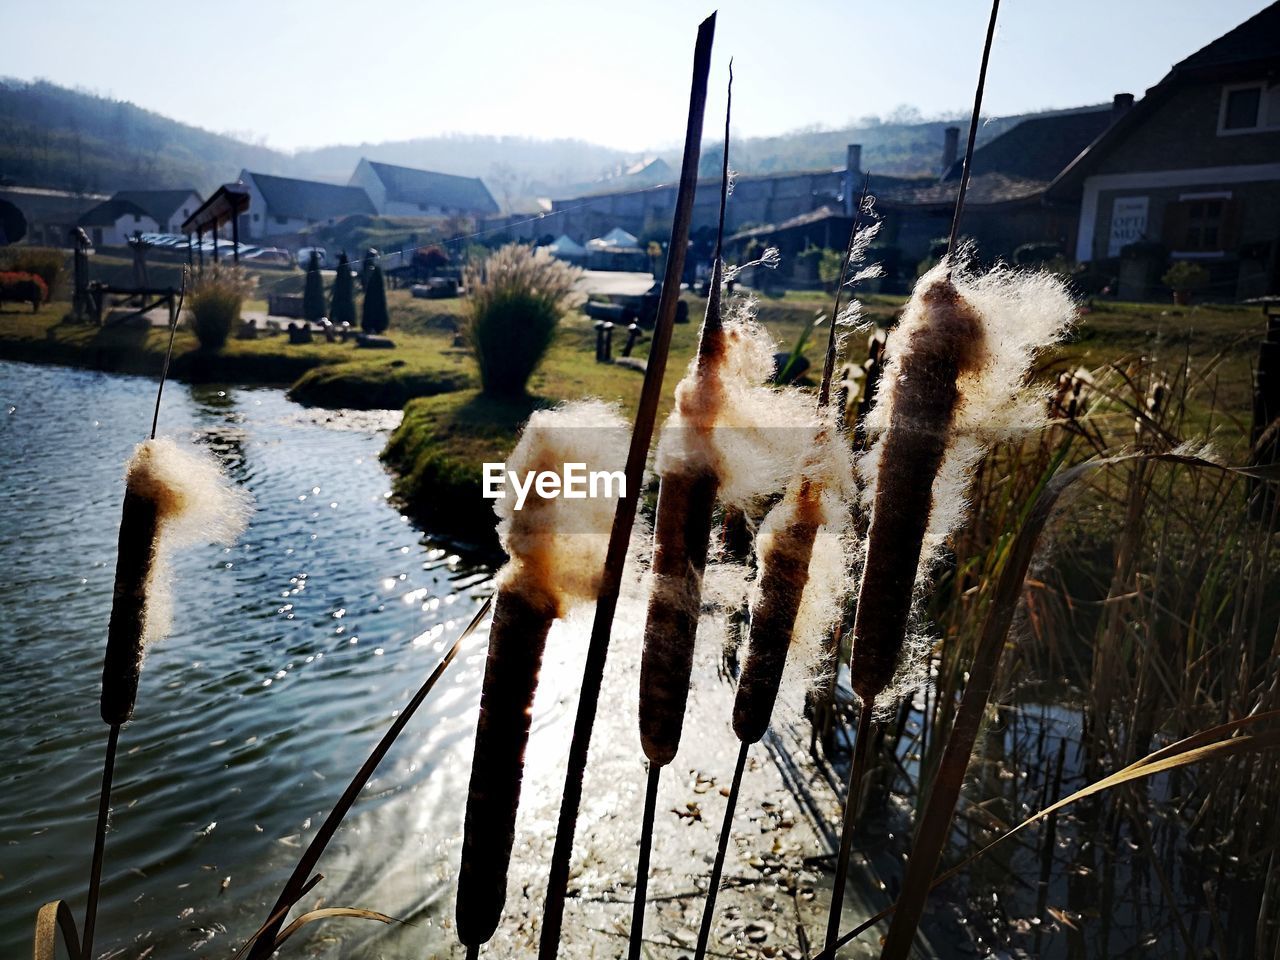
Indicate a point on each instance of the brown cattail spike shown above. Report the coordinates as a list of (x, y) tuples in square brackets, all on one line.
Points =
[(784, 571), (681, 537), (139, 529), (517, 640), (171, 495), (946, 343)]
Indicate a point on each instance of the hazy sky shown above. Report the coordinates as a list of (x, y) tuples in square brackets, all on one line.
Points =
[(310, 73)]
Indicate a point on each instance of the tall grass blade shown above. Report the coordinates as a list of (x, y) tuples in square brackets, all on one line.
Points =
[(624, 519), (1173, 757), (935, 823)]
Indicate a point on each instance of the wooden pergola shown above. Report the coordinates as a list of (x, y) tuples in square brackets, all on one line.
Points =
[(227, 203)]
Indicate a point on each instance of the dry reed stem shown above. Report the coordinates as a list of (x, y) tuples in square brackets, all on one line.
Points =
[(624, 520)]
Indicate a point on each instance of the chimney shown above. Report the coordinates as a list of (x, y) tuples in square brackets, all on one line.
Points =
[(950, 148), (852, 176), (1121, 104)]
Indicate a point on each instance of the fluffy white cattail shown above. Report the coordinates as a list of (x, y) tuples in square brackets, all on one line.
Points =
[(556, 548), (730, 439), (803, 562), (954, 382), (173, 496)]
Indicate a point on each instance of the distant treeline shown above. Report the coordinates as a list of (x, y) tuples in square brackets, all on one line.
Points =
[(53, 136)]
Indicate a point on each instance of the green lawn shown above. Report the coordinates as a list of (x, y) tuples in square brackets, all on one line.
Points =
[(450, 428)]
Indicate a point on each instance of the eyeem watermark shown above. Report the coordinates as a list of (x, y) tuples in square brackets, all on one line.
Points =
[(575, 482)]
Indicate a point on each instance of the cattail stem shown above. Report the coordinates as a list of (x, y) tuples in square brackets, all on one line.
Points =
[(99, 843), (856, 772), (624, 519), (642, 864), (473, 952), (722, 849), (973, 129), (517, 640)]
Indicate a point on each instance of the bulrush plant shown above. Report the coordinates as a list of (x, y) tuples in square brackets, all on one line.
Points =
[(556, 548), (955, 382), (173, 496), (729, 440), (802, 558)]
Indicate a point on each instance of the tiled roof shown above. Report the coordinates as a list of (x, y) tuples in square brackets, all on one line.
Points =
[(1039, 148), (309, 199), (983, 188), (1258, 38), (1256, 41), (106, 214), (160, 205), (801, 220), (444, 190)]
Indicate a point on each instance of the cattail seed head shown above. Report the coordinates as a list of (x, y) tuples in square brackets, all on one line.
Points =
[(556, 548), (955, 381), (172, 496), (517, 640), (784, 572), (941, 338)]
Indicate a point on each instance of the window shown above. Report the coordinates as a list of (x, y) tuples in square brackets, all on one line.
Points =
[(283, 221), (1241, 112), (255, 218), (1200, 224), (1248, 108)]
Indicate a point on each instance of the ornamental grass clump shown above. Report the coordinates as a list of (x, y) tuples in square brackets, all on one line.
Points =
[(517, 298), (215, 300), (556, 548)]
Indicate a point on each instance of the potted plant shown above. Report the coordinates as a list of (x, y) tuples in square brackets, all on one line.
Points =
[(1184, 278)]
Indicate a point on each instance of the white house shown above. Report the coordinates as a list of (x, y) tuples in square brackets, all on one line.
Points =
[(168, 208), (280, 205), (112, 223), (405, 192)]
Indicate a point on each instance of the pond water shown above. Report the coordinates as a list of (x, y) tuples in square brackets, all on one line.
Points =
[(290, 653)]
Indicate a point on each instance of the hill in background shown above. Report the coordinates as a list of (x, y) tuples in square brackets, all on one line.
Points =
[(52, 136)]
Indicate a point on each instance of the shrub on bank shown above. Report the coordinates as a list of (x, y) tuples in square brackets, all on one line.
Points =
[(45, 262), (215, 300), (313, 292), (374, 317), (18, 287), (517, 297)]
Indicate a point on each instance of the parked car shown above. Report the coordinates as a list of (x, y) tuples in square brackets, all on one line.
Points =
[(269, 256), (304, 256)]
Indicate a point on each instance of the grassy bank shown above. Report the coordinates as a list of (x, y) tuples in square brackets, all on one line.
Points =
[(438, 450), (319, 374), (450, 429)]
